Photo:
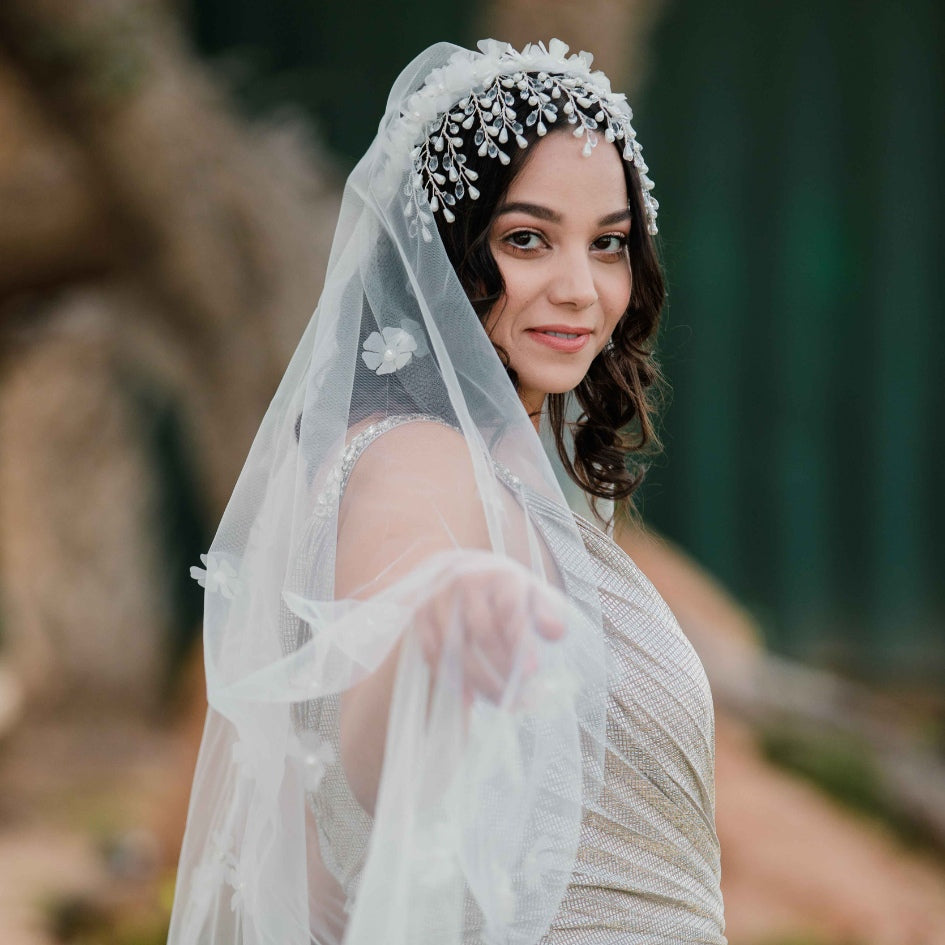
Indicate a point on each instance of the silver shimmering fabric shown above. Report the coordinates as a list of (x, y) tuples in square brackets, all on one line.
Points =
[(648, 865)]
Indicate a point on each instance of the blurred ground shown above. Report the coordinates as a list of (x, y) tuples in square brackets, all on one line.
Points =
[(70, 788), (796, 863), (91, 810), (184, 248)]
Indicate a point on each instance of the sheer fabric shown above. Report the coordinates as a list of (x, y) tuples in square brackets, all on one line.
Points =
[(442, 709)]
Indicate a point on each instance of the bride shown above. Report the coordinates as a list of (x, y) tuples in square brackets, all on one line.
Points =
[(444, 708)]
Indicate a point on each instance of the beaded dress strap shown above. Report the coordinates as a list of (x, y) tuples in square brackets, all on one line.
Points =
[(370, 433), (359, 443)]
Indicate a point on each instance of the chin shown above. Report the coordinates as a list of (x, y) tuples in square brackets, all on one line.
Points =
[(560, 383)]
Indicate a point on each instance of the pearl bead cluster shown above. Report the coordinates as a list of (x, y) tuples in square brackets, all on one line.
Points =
[(495, 96)]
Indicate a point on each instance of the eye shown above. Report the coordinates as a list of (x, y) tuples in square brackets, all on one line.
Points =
[(524, 239), (612, 244)]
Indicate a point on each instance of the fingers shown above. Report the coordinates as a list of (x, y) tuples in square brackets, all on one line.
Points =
[(487, 657), (490, 621), (548, 620)]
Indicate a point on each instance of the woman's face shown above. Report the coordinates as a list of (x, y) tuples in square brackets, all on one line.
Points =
[(560, 241)]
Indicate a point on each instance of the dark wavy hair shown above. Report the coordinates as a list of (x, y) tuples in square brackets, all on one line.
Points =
[(620, 394)]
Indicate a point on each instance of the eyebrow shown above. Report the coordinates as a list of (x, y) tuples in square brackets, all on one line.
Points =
[(544, 213)]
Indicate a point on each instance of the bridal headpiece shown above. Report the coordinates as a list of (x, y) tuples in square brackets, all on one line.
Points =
[(484, 101)]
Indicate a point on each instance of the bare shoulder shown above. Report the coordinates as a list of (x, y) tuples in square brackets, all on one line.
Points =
[(411, 493), (422, 451)]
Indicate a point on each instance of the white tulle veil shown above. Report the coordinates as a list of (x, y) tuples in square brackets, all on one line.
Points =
[(395, 472)]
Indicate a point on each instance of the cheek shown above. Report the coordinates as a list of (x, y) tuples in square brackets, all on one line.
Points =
[(617, 294), (523, 278), (495, 318), (519, 290)]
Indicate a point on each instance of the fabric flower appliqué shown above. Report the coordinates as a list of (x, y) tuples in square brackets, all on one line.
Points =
[(218, 868), (234, 876), (436, 863), (243, 759), (315, 755), (415, 329), (504, 892), (550, 692), (218, 575), (388, 350)]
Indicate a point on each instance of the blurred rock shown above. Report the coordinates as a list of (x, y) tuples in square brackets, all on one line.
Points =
[(11, 701), (54, 227), (83, 615), (155, 236)]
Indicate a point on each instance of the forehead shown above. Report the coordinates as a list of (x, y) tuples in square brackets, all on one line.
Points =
[(559, 176)]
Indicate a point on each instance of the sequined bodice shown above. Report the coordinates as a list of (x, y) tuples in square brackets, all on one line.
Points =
[(647, 869)]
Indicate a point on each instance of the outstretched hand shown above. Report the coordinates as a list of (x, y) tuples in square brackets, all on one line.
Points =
[(490, 620)]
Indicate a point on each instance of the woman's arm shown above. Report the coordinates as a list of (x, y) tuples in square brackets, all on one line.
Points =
[(413, 494)]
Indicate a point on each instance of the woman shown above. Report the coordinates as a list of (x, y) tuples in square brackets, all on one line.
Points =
[(443, 708)]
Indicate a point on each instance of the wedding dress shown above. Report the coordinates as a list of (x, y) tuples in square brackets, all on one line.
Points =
[(647, 866), (539, 767)]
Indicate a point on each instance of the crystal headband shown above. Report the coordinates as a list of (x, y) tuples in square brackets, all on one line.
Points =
[(492, 96)]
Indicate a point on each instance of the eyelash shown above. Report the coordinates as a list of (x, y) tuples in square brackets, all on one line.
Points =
[(620, 237)]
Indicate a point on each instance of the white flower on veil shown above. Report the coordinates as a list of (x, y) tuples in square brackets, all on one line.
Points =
[(207, 876), (234, 876), (435, 856), (219, 575), (388, 350), (415, 330), (551, 692), (315, 755)]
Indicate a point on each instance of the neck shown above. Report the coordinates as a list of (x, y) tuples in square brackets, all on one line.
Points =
[(533, 408)]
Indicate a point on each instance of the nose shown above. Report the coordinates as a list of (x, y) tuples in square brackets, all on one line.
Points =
[(573, 282)]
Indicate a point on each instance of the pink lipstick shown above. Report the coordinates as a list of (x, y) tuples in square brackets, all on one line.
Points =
[(561, 337)]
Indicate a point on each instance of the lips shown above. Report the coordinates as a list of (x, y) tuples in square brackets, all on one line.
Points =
[(561, 337)]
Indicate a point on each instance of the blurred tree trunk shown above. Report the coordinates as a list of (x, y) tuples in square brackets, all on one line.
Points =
[(195, 216), (44, 242), (207, 238)]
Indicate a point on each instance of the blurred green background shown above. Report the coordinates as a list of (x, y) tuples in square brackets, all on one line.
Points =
[(798, 154), (170, 173)]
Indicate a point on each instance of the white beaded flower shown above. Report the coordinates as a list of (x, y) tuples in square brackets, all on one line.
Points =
[(436, 862), (388, 350), (544, 857), (243, 760), (236, 880), (218, 576), (415, 330), (547, 693), (207, 877), (316, 756), (327, 499), (504, 893)]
